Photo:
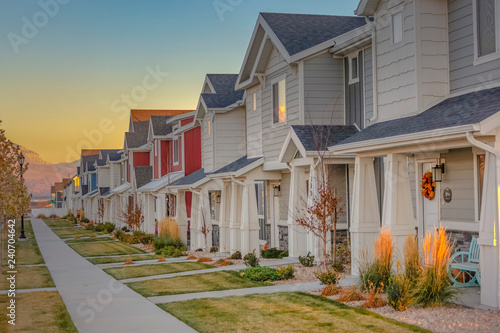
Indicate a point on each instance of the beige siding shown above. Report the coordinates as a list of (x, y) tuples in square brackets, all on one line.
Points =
[(273, 135), (324, 90), (413, 184), (254, 123), (463, 74), (284, 196), (396, 71), (368, 81), (115, 175), (104, 179), (338, 180), (230, 135), (208, 147), (459, 177)]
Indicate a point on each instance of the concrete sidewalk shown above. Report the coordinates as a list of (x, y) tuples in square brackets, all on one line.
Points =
[(144, 262), (95, 300), (279, 262)]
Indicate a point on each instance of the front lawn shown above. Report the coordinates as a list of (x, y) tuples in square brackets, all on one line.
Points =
[(27, 251), (129, 272), (113, 260), (97, 249), (28, 278), (224, 280), (58, 223), (280, 312), (89, 240), (37, 312), (73, 232)]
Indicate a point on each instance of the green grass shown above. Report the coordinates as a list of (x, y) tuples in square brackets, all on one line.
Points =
[(89, 240), (73, 232), (27, 252), (58, 223), (113, 260), (28, 278), (194, 283), (129, 272), (280, 312), (97, 249), (38, 312)]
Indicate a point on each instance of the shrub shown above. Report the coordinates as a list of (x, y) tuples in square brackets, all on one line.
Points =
[(119, 234), (125, 229), (42, 216), (327, 277), (236, 255), (169, 227), (223, 262), (412, 259), (433, 286), (338, 266), (204, 259), (251, 259), (344, 252), (214, 249), (191, 258), (351, 294), (162, 242), (285, 272), (89, 227), (171, 251), (398, 292), (307, 261), (198, 250), (272, 253), (373, 297), (283, 254), (130, 239), (379, 270), (147, 239), (53, 216), (258, 273), (84, 220), (331, 289)]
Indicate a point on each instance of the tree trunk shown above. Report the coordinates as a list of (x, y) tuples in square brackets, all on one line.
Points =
[(334, 252)]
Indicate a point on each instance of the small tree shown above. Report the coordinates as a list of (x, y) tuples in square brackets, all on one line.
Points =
[(205, 228), (133, 214), (100, 210)]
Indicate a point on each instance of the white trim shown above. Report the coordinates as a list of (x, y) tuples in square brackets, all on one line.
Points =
[(354, 55), (391, 26), (175, 143), (277, 80), (478, 60)]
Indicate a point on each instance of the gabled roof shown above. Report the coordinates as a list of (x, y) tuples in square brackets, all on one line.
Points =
[(456, 113), (139, 136), (143, 175), (87, 152), (112, 154), (225, 93), (88, 162), (104, 191), (367, 7), (240, 166), (296, 36), (191, 179), (158, 184), (159, 125), (144, 115)]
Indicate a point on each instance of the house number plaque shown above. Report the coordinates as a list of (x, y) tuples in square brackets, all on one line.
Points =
[(447, 195)]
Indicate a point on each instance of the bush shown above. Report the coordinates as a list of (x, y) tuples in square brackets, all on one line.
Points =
[(236, 255), (379, 270), (172, 251), (89, 227), (164, 245), (285, 272), (147, 239), (214, 249), (84, 220), (119, 234), (331, 289), (344, 252), (198, 250), (307, 261), (373, 297), (398, 292), (273, 253), (204, 259), (125, 229), (251, 259), (223, 262), (169, 227), (338, 266), (41, 216), (351, 294), (283, 254), (258, 273), (327, 277), (130, 239), (53, 216)]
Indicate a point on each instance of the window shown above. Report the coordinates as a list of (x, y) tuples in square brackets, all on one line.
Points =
[(279, 101), (480, 180), (485, 25), (175, 149), (254, 101), (397, 27), (209, 128), (353, 70)]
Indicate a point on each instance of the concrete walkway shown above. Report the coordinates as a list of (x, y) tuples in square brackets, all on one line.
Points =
[(210, 270), (21, 291), (143, 262), (95, 301)]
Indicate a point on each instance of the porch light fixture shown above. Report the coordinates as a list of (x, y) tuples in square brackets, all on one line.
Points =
[(217, 198), (437, 173), (277, 189)]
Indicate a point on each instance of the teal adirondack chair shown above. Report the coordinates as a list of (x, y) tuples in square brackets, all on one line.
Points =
[(468, 264)]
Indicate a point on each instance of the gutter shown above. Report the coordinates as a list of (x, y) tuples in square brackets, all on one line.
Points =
[(374, 70)]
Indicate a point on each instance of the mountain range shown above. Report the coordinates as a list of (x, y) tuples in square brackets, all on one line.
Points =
[(42, 175)]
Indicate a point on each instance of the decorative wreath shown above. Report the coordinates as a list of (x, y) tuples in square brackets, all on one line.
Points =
[(428, 186)]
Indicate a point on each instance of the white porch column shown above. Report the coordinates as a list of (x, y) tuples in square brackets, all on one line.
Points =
[(234, 222), (224, 223), (149, 213), (195, 217), (313, 243), (297, 240), (245, 221), (397, 207), (253, 221), (204, 202), (181, 212), (488, 233), (365, 212)]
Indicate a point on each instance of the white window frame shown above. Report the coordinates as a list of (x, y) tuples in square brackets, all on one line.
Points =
[(399, 12), (478, 60), (175, 150), (273, 82), (351, 57)]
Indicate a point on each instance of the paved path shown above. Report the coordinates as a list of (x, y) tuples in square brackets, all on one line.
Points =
[(95, 300), (210, 270), (20, 291), (144, 262)]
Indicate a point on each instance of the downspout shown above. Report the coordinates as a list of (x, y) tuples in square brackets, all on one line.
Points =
[(374, 69)]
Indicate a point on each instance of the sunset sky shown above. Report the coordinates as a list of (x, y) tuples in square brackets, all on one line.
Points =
[(67, 73)]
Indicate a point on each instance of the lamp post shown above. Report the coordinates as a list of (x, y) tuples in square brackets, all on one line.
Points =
[(21, 162)]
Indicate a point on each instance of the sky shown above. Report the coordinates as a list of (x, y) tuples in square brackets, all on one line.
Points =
[(71, 70)]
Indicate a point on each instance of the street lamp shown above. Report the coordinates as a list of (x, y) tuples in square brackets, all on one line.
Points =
[(21, 162)]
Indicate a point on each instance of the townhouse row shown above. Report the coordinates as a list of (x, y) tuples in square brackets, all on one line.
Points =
[(382, 98)]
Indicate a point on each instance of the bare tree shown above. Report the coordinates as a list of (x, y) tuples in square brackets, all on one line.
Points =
[(100, 210), (132, 215), (205, 228)]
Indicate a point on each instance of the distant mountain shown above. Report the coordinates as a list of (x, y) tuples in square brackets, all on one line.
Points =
[(42, 175)]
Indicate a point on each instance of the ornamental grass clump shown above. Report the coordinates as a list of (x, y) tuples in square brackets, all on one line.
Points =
[(374, 296), (351, 294), (169, 227), (379, 270), (433, 287), (412, 260)]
